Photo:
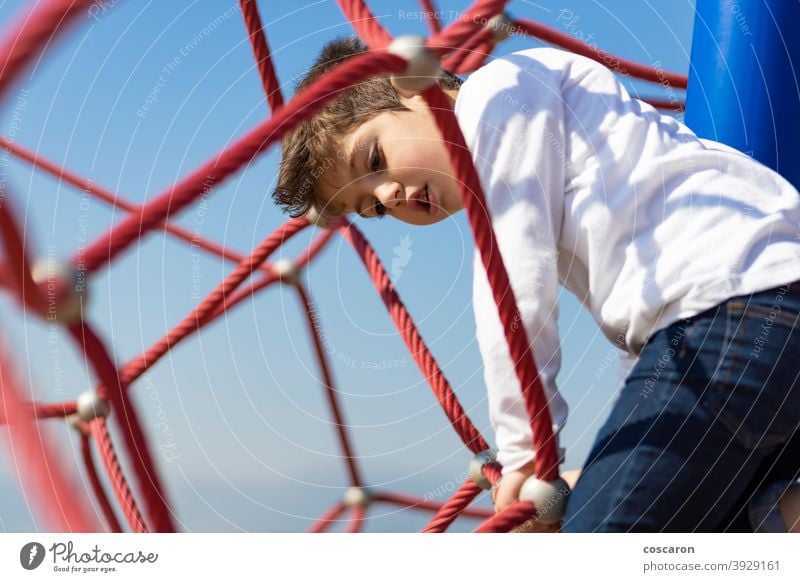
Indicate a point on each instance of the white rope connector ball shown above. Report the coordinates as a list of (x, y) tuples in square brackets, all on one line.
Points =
[(91, 406), (314, 217), (476, 467), (287, 270), (502, 26), (357, 497), (549, 497), (424, 67), (63, 288)]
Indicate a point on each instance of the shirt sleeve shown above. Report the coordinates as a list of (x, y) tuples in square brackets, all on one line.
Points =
[(515, 132)]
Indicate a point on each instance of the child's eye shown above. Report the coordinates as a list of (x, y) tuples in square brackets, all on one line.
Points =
[(374, 160)]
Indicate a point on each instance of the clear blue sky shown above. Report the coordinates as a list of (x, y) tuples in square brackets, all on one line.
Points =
[(237, 416)]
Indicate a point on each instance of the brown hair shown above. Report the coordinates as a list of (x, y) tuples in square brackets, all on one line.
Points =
[(309, 149)]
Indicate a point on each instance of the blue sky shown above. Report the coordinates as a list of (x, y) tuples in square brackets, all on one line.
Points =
[(237, 416)]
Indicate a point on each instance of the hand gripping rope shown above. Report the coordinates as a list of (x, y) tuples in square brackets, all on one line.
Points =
[(58, 292)]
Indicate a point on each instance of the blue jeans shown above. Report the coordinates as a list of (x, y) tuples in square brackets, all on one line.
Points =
[(706, 428)]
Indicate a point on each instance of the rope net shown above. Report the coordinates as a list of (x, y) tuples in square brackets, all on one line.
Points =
[(57, 293)]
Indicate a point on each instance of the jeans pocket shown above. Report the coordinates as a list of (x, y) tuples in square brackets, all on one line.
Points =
[(754, 391)]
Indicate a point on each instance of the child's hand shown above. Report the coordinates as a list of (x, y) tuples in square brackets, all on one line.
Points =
[(507, 492)]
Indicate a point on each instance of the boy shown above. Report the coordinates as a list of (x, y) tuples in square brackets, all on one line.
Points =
[(682, 249)]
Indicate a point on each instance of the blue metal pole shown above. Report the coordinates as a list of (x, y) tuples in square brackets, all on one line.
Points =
[(744, 79)]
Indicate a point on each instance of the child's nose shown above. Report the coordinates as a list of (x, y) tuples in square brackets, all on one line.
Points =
[(390, 194)]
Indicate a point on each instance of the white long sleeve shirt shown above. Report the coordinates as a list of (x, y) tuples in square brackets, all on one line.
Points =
[(626, 208)]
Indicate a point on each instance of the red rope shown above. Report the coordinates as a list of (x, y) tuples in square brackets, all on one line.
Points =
[(18, 268), (122, 490), (512, 516), (477, 57), (125, 414), (244, 292), (431, 16), (327, 518), (33, 32), (258, 40), (468, 491), (416, 345), (45, 479), (412, 502), (97, 487), (480, 40), (330, 390), (619, 64), (55, 410), (492, 472), (460, 31), (365, 24), (356, 520), (546, 462)]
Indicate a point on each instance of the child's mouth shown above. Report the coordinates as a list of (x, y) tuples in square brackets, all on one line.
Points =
[(424, 201), (430, 201)]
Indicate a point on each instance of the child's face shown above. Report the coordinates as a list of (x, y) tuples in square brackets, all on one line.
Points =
[(394, 164)]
